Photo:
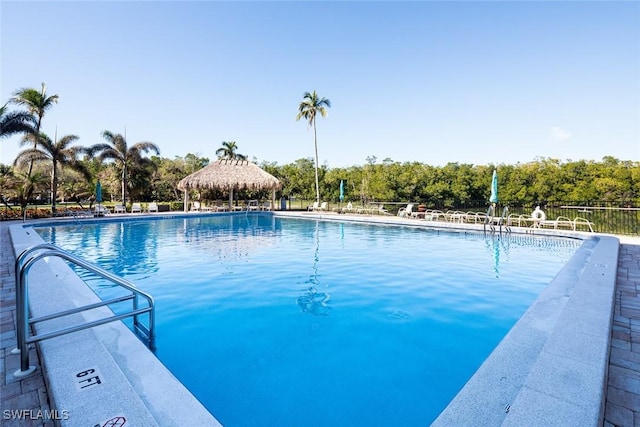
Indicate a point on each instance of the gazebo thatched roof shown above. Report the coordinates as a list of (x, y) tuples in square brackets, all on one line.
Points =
[(230, 175)]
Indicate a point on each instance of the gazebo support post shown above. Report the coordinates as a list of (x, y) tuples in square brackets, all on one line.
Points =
[(186, 200), (231, 199)]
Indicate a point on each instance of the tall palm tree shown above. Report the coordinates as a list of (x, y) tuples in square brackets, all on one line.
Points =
[(127, 158), (37, 103), (60, 154), (228, 151), (12, 122), (310, 106)]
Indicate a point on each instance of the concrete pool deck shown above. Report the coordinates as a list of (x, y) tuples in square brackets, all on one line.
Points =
[(29, 394)]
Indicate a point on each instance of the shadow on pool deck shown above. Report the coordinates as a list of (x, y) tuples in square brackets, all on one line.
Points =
[(28, 396)]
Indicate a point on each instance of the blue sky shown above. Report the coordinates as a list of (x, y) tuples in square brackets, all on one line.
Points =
[(434, 82)]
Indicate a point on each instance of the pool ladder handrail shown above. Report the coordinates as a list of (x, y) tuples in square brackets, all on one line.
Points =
[(251, 203), (489, 217), (23, 264)]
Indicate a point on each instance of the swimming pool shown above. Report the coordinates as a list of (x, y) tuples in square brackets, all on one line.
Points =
[(321, 323)]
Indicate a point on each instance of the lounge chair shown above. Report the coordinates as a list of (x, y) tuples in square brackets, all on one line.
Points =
[(560, 222), (101, 210), (119, 208), (153, 207), (222, 208), (195, 207), (314, 207), (323, 207), (406, 211), (135, 207), (266, 206), (381, 211), (366, 210)]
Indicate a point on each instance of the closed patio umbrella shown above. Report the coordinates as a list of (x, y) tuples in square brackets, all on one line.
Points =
[(341, 190), (98, 192), (494, 188), (98, 197)]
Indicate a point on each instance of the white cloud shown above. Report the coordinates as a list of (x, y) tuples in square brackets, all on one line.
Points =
[(559, 135)]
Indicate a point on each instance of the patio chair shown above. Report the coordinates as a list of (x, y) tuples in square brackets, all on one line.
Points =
[(314, 207), (324, 206), (101, 210), (195, 207), (266, 206), (406, 211), (559, 222), (135, 207), (119, 208), (152, 207), (381, 211)]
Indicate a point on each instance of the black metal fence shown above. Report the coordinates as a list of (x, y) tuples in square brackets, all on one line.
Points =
[(621, 217)]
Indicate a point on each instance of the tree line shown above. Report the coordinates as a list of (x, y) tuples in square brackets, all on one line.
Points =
[(52, 170)]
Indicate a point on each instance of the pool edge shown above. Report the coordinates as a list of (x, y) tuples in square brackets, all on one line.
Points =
[(552, 366), (511, 411)]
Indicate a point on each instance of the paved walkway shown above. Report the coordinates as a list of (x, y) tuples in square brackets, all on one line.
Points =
[(623, 392), (28, 397)]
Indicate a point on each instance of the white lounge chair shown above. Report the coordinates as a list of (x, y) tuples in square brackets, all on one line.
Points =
[(135, 207), (323, 207), (406, 212), (266, 206), (101, 210), (119, 208), (195, 207), (313, 207), (152, 207), (381, 211)]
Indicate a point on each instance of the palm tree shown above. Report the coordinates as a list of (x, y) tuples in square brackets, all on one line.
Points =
[(228, 151), (12, 122), (60, 154), (26, 185), (127, 158), (309, 107), (37, 103)]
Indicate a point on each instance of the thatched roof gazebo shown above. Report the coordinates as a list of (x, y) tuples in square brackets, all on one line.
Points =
[(229, 175)]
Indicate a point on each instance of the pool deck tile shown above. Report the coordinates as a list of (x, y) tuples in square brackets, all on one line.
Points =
[(623, 392), (622, 408), (27, 395)]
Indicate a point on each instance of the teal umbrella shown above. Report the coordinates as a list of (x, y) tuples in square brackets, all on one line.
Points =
[(494, 188), (98, 192), (341, 190)]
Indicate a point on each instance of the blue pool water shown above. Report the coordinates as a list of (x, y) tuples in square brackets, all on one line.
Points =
[(284, 322)]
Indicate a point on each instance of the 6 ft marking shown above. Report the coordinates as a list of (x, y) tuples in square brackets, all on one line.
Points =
[(87, 379)]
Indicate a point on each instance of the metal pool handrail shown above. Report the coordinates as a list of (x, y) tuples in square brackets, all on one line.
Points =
[(252, 203), (23, 264), (489, 219)]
